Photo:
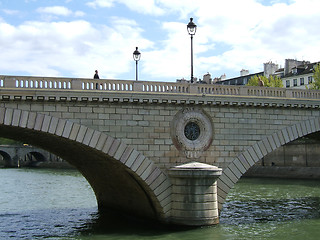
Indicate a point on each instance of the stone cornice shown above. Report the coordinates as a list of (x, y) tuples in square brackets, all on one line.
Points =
[(96, 96)]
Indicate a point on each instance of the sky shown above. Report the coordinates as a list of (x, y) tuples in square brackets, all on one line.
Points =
[(72, 38)]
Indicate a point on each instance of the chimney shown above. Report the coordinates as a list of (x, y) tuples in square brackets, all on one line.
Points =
[(244, 72)]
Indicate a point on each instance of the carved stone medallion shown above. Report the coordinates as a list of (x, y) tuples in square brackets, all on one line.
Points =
[(191, 131)]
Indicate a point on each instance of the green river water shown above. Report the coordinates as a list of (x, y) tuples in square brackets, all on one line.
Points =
[(60, 204)]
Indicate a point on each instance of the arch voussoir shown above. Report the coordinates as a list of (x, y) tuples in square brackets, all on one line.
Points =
[(126, 153), (276, 141), (120, 150), (8, 117), (38, 122), (113, 147), (31, 120), (81, 132), (95, 139), (87, 137), (67, 129), (294, 131), (53, 126), (317, 124), (134, 155), (101, 141), (308, 125), (59, 127), (244, 162), (233, 172), (46, 123), (2, 114), (16, 117), (271, 142), (151, 179), (23, 119)]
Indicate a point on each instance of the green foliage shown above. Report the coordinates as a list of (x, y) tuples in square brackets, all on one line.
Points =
[(6, 141), (275, 82), (316, 76), (254, 81), (268, 82)]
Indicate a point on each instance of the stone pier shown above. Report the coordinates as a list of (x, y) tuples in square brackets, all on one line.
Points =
[(194, 194), (127, 137)]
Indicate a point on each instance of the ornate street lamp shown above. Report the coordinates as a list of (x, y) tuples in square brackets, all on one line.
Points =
[(136, 57), (192, 28)]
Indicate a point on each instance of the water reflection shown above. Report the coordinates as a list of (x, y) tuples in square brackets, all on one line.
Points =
[(61, 205), (239, 220), (247, 212), (114, 223)]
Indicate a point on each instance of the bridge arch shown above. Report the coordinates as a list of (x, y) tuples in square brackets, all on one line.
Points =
[(6, 158), (123, 179), (32, 158), (244, 161)]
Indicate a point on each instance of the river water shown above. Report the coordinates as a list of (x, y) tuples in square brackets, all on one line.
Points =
[(59, 204)]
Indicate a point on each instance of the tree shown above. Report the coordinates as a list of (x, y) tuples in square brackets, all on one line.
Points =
[(316, 76), (254, 81), (275, 81), (268, 82)]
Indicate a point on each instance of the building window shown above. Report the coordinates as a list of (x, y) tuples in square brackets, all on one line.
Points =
[(309, 79), (301, 81), (288, 83), (294, 70), (295, 82)]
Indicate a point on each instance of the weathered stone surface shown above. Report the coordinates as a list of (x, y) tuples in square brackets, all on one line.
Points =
[(91, 129), (194, 193)]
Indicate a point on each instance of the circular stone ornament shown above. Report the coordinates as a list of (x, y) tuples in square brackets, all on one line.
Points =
[(191, 131)]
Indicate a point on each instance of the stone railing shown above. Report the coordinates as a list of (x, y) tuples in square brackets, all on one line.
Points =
[(23, 82)]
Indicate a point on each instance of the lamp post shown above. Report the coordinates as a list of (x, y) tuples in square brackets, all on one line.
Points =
[(192, 28), (136, 57)]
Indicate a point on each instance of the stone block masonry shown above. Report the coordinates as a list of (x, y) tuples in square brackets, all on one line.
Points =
[(126, 139)]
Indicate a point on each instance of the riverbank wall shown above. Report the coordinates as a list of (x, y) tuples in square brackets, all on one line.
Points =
[(298, 159)]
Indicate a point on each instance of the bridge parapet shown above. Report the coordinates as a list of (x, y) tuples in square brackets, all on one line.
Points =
[(167, 124), (45, 83)]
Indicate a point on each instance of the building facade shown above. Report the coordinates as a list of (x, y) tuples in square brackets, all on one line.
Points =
[(295, 74), (298, 74)]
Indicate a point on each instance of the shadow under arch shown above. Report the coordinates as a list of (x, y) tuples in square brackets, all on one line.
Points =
[(123, 179), (7, 159), (244, 161), (32, 158)]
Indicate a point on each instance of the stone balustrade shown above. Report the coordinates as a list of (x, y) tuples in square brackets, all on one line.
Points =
[(29, 82), (133, 139)]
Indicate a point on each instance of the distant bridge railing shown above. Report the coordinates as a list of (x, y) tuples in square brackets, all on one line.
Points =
[(29, 82)]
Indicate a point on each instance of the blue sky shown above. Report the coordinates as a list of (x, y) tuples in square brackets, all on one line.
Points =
[(72, 38)]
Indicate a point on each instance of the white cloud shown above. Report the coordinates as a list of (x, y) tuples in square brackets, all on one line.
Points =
[(100, 3), (231, 35), (251, 33), (10, 11), (56, 10), (59, 11), (144, 7), (141, 6), (75, 48)]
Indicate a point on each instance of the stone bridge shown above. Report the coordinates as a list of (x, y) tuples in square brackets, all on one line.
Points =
[(25, 155), (152, 148)]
